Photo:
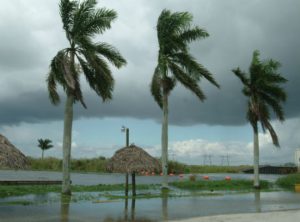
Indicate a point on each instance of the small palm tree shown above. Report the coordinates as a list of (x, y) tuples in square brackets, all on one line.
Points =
[(81, 21), (176, 64), (262, 87), (44, 145)]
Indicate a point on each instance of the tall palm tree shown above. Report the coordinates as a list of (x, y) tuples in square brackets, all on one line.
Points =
[(176, 64), (44, 145), (262, 87), (81, 21)]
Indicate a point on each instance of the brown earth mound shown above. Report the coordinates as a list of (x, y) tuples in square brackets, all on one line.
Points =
[(10, 156)]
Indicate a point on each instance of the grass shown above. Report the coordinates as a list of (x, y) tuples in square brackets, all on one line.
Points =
[(232, 185), (289, 181)]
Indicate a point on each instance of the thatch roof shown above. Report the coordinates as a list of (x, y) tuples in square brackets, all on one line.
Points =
[(132, 159), (10, 156)]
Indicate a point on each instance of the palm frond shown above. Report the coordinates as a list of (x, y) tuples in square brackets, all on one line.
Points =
[(187, 81), (52, 89), (110, 53), (103, 80), (274, 91), (275, 105), (156, 90), (193, 34), (272, 133), (67, 8), (193, 68), (89, 21), (242, 76)]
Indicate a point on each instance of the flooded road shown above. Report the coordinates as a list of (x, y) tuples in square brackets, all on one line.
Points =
[(148, 210)]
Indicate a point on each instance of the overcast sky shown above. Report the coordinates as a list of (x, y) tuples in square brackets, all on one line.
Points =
[(31, 33)]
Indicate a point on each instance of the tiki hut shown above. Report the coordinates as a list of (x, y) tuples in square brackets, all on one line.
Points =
[(130, 160), (10, 156)]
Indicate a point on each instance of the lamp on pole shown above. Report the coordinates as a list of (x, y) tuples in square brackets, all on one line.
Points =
[(126, 130)]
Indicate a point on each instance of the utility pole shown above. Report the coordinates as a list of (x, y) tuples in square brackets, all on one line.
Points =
[(209, 158), (227, 157)]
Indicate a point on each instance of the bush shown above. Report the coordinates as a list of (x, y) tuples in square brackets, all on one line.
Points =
[(192, 177), (55, 164), (289, 181), (177, 167)]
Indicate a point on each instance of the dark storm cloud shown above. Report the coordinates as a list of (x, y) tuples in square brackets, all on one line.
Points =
[(236, 29)]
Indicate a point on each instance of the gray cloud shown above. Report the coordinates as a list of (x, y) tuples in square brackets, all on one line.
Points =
[(31, 35)]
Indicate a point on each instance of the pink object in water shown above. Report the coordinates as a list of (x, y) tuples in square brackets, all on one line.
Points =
[(205, 177)]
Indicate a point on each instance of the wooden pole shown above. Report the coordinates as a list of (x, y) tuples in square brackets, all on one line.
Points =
[(133, 184), (126, 176), (126, 185)]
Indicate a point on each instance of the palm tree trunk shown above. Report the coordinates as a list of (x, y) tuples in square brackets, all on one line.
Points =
[(42, 154), (256, 157), (164, 140), (67, 141)]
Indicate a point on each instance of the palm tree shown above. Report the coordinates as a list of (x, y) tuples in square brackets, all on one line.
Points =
[(176, 64), (81, 21), (44, 145), (262, 87)]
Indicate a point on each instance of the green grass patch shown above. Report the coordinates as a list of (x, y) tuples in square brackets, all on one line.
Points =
[(289, 181), (232, 185)]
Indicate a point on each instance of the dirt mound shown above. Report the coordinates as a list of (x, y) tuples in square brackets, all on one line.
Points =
[(10, 156)]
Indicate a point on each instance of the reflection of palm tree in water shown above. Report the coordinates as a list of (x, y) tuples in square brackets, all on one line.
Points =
[(64, 209), (164, 199), (257, 201), (126, 216)]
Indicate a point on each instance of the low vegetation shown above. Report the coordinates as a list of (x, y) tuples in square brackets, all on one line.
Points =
[(82, 165), (289, 181), (98, 165), (217, 169)]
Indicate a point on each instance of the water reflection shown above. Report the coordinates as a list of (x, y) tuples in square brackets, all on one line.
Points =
[(64, 208), (127, 218), (257, 201), (164, 199)]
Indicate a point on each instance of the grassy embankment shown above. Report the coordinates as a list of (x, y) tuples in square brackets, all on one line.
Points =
[(98, 165)]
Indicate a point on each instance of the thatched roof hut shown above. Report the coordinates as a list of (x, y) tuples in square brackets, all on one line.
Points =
[(132, 159), (10, 156)]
